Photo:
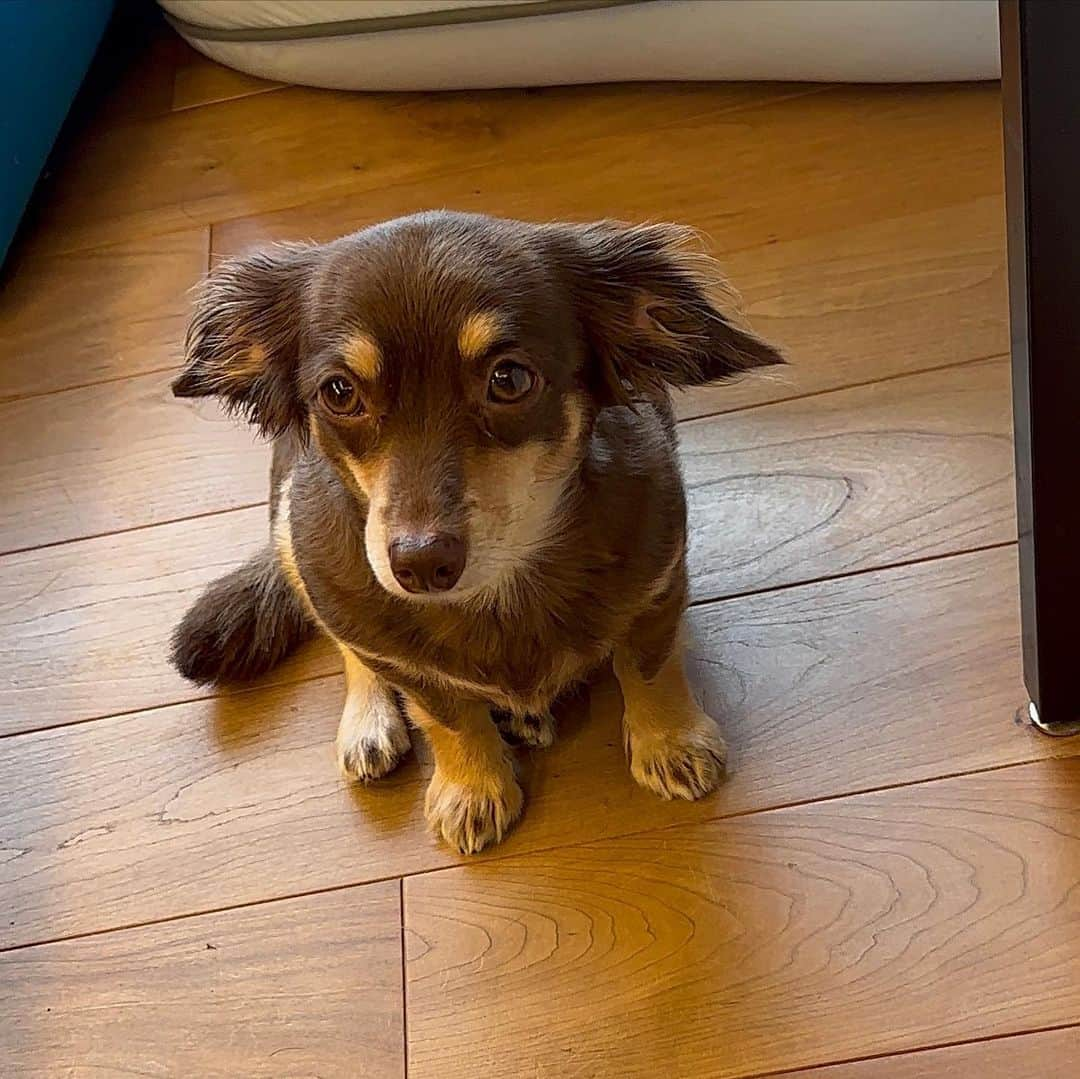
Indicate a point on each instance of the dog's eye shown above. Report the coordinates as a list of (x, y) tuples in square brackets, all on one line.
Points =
[(341, 396), (510, 382)]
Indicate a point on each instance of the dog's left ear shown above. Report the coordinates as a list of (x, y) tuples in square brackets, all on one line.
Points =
[(243, 341), (647, 301)]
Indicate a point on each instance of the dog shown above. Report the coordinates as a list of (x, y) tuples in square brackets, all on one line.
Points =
[(475, 491)]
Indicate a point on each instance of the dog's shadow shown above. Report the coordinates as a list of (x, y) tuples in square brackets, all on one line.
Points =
[(309, 686), (283, 732)]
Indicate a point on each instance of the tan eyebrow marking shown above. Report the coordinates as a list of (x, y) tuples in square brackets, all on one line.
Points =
[(478, 333), (362, 356)]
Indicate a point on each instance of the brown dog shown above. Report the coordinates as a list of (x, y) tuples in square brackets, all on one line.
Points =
[(476, 493)]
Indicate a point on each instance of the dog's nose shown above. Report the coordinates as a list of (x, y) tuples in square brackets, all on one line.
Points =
[(427, 563)]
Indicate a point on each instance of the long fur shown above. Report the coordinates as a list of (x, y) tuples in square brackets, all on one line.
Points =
[(244, 624)]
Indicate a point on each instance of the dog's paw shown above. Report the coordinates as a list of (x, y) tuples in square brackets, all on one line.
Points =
[(470, 818), (686, 762), (535, 730), (372, 742)]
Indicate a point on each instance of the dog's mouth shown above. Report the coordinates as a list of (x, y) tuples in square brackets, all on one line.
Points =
[(474, 549)]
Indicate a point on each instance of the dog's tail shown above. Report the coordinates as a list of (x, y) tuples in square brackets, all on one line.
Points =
[(242, 625)]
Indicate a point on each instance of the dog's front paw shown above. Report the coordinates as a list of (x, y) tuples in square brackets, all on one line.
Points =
[(472, 817), (682, 762), (372, 742), (535, 729)]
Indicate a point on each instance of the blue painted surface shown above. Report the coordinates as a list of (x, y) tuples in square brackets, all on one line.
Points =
[(45, 49)]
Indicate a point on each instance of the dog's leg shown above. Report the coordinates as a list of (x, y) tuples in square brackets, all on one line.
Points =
[(372, 736), (533, 729), (473, 797), (674, 748)]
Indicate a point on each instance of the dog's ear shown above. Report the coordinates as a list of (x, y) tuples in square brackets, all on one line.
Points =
[(244, 337), (647, 299)]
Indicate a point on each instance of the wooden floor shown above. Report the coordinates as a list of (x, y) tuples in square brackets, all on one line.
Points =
[(888, 884)]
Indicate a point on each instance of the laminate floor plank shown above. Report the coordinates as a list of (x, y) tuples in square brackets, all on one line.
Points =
[(940, 912), (85, 627), (308, 986), (118, 456), (264, 152), (1053, 1054), (780, 171), (890, 472), (870, 302), (97, 315)]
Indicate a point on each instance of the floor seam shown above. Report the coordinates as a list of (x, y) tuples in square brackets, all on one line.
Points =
[(134, 528), (496, 859), (404, 985), (827, 578), (896, 1054), (125, 713), (826, 390)]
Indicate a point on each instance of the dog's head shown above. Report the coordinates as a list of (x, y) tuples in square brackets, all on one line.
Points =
[(451, 367)]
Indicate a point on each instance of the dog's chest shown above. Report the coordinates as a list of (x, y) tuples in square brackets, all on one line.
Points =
[(520, 667), (515, 671), (521, 690)]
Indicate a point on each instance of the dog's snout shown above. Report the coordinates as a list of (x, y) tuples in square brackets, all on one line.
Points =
[(427, 563)]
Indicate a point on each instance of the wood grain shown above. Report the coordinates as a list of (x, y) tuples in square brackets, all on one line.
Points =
[(865, 925), (262, 153), (120, 455), (1053, 1054), (855, 155), (829, 689), (82, 318), (84, 627), (911, 468), (870, 302), (303, 987), (792, 492)]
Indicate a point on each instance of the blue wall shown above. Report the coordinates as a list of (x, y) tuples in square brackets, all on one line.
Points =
[(45, 49)]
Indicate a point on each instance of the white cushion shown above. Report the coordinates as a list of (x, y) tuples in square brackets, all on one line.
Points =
[(803, 40)]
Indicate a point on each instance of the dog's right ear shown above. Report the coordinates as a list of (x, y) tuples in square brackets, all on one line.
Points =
[(244, 337)]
